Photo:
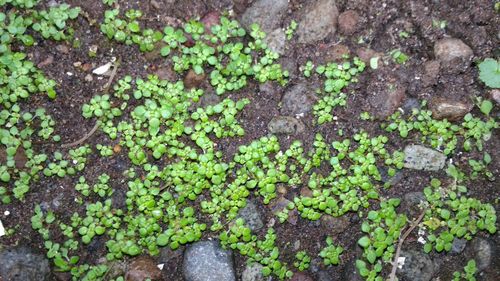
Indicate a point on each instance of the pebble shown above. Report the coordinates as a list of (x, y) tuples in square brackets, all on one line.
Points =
[(23, 264), (348, 22), (419, 157), (417, 266), (62, 49), (251, 216), (89, 78), (449, 109), (207, 261), (276, 41), (455, 55), (285, 125), (431, 73), (495, 95), (166, 73), (267, 13), (319, 21), (210, 19), (47, 61), (385, 98), (300, 276), (193, 80), (458, 246), (336, 225), (481, 251), (298, 100), (142, 268), (365, 54), (252, 272)]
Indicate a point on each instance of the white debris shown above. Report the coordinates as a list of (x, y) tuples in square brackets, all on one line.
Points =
[(102, 69), (401, 262), (69, 73), (6, 213), (421, 240), (2, 230), (160, 266)]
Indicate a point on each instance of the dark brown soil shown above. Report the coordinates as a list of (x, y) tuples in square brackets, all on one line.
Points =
[(475, 22)]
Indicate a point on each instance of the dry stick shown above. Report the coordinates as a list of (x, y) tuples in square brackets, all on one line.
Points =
[(392, 277), (88, 135), (96, 126)]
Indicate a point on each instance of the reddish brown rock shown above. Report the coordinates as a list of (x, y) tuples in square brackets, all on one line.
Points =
[(365, 54), (299, 276), (210, 19), (449, 109), (337, 52), (336, 225), (431, 73), (348, 22), (306, 192), (47, 61), (166, 73), (193, 80), (385, 97), (143, 268)]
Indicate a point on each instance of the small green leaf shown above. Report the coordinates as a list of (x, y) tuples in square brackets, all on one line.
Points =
[(364, 241), (486, 107)]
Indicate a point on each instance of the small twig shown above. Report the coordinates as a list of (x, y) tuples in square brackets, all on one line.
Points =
[(392, 277), (88, 135), (112, 76)]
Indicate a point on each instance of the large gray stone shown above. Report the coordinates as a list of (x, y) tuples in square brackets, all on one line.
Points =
[(207, 261), (285, 125), (419, 157), (455, 55), (449, 49), (417, 266), (22, 264), (482, 252), (267, 13), (251, 216), (253, 272), (319, 20), (298, 100)]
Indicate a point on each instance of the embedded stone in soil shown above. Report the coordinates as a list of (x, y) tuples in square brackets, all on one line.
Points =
[(419, 157), (207, 261)]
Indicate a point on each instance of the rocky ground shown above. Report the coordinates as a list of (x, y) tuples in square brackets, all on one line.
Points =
[(443, 41)]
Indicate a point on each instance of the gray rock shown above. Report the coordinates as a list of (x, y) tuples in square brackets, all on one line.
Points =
[(207, 261), (417, 266), (411, 202), (324, 275), (431, 73), (319, 20), (276, 41), (297, 100), (419, 157), (458, 246), (350, 272), (22, 264), (335, 224), (455, 55), (251, 216), (410, 104), (285, 125), (253, 272), (267, 13), (482, 252), (449, 49), (449, 109), (495, 95)]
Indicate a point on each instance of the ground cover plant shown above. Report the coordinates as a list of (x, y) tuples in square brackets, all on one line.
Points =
[(165, 162)]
